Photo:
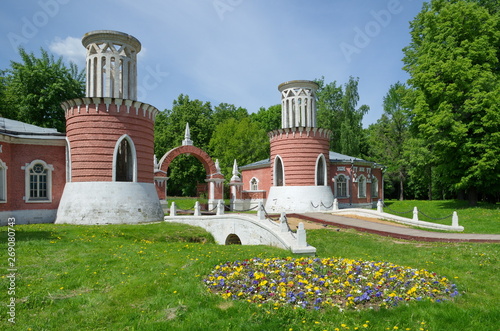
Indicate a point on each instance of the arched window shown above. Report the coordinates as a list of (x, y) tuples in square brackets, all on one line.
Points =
[(374, 187), (341, 187), (361, 187), (38, 180), (321, 171), (3, 182), (254, 184), (125, 160), (279, 173)]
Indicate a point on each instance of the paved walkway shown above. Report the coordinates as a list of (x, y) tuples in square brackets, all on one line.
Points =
[(396, 231)]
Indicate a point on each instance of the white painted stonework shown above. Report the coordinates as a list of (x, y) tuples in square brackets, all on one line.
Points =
[(379, 214), (299, 199), (250, 229), (30, 216), (109, 203)]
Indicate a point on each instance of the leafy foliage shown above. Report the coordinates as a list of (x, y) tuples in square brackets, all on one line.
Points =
[(454, 63), (248, 143), (32, 90), (337, 112), (269, 119)]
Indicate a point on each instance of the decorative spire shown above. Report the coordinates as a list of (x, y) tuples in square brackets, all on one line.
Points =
[(235, 172), (187, 137), (156, 165), (217, 166)]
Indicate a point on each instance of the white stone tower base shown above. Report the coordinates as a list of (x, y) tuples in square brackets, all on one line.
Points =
[(299, 199), (92, 203)]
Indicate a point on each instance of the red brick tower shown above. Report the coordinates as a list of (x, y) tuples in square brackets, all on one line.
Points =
[(299, 152), (110, 139)]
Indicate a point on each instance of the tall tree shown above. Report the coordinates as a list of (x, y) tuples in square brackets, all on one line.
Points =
[(185, 171), (337, 111), (268, 118), (35, 88), (388, 135), (454, 63), (244, 141), (225, 111)]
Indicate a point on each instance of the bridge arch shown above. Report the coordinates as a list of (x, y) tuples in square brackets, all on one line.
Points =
[(214, 177)]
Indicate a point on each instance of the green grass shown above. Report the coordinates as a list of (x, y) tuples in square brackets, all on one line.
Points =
[(485, 218), (187, 203), (149, 277)]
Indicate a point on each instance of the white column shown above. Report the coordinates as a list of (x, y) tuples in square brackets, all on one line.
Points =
[(98, 77)]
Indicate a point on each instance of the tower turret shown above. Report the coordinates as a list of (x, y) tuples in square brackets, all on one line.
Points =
[(111, 64), (298, 103), (110, 140)]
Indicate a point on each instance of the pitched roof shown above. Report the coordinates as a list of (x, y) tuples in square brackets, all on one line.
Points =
[(21, 129)]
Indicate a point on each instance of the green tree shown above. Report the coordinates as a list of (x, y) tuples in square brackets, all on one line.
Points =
[(244, 141), (454, 63), (185, 171), (225, 111), (387, 137), (35, 88), (338, 112), (269, 119)]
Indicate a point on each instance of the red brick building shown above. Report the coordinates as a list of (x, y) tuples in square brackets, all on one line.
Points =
[(302, 174), (32, 172)]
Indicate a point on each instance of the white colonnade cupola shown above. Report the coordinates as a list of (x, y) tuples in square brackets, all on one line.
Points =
[(298, 103), (111, 64)]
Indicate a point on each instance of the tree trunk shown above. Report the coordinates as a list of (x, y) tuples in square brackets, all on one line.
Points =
[(430, 183), (472, 193), (401, 195)]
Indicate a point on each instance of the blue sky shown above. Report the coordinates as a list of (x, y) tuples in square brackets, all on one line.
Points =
[(234, 51)]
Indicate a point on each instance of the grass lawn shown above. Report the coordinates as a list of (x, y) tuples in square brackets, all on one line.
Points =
[(150, 277), (485, 218)]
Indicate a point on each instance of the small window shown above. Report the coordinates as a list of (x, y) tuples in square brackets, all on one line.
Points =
[(321, 171), (279, 178), (125, 160), (254, 184), (361, 187), (3, 182), (341, 186), (374, 187), (38, 181)]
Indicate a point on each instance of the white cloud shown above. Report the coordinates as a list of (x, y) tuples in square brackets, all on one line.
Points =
[(70, 49)]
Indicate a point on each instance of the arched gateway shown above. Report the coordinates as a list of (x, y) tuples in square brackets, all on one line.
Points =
[(214, 177)]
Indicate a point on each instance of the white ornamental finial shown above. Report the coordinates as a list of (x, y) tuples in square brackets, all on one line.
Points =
[(235, 172), (217, 166), (187, 137), (156, 165)]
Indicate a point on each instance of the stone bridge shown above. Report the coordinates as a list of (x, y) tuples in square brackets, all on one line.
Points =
[(247, 229)]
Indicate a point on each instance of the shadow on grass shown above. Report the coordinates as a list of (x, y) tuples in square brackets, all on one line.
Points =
[(30, 236)]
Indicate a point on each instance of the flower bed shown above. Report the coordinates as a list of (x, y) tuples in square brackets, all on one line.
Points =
[(315, 283)]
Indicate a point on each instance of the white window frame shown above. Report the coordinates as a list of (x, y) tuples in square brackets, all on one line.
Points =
[(361, 186), (282, 170), (27, 180), (256, 184), (134, 157), (321, 158), (336, 182), (374, 187), (3, 182)]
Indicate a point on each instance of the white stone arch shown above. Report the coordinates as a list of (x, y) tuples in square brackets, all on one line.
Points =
[(320, 173), (341, 186), (254, 181), (38, 181), (279, 172), (133, 153), (3, 182)]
